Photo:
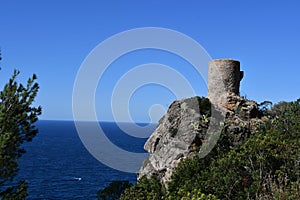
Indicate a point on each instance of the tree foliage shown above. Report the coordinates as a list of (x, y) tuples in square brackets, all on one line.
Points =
[(113, 191), (17, 118), (147, 189)]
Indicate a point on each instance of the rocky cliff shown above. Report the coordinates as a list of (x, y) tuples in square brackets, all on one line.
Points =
[(185, 129)]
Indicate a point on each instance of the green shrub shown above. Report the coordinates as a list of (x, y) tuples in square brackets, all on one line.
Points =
[(113, 191), (195, 194), (148, 189)]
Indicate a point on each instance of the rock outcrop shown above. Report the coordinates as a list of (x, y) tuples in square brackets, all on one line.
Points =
[(188, 126), (182, 131), (177, 134)]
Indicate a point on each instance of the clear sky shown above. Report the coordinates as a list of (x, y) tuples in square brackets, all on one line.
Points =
[(52, 38)]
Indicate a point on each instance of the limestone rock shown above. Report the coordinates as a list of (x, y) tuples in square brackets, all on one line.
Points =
[(182, 130), (178, 132), (237, 105)]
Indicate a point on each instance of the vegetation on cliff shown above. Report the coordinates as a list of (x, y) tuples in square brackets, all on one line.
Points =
[(266, 165)]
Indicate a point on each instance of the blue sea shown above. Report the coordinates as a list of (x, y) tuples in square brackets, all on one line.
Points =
[(57, 165)]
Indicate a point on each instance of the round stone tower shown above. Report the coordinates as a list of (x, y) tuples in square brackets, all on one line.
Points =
[(224, 77)]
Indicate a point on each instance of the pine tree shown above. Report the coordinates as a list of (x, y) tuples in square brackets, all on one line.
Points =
[(17, 118)]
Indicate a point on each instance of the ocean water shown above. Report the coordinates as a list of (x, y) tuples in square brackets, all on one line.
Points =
[(57, 165)]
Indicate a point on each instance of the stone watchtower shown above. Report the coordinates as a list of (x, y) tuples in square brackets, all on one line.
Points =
[(224, 78)]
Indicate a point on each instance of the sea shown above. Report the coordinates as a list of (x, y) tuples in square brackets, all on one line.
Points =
[(56, 164)]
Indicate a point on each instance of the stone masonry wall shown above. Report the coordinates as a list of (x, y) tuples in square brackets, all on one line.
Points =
[(224, 77)]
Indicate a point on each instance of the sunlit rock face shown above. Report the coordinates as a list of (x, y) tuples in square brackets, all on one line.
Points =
[(178, 133)]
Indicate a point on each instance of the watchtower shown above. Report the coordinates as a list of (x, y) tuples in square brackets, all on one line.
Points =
[(224, 77)]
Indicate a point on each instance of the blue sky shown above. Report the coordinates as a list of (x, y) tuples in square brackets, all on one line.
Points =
[(52, 39)]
